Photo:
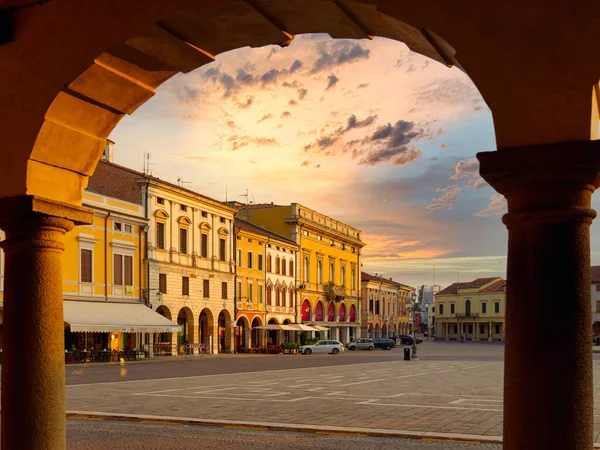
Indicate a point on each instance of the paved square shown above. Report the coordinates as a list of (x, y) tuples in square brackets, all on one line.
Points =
[(453, 397)]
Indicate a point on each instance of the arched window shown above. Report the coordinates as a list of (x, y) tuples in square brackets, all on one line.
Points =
[(306, 268), (330, 312), (291, 298), (353, 278), (291, 268), (283, 296), (306, 311), (276, 295), (343, 273), (468, 308), (319, 312), (332, 271), (283, 266), (342, 313), (352, 314), (269, 291), (268, 263), (277, 265), (320, 272)]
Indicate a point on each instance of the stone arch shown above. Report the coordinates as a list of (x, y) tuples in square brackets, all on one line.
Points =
[(225, 332), (352, 314), (185, 319), (205, 226), (306, 311), (243, 337), (161, 213), (384, 330), (223, 232), (184, 220), (319, 312), (342, 313), (163, 338), (596, 328), (206, 328), (330, 312), (257, 335)]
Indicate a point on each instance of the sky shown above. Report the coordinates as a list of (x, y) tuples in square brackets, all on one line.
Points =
[(365, 131)]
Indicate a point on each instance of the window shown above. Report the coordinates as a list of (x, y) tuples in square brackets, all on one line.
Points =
[(283, 267), (250, 292), (277, 265), (260, 294), (269, 292), (277, 296), (319, 237), (597, 305), (470, 329), (305, 233), (343, 246), (206, 288), (371, 306), (222, 249), (442, 308), (182, 208), (249, 260), (306, 268), (117, 226), (497, 329), (484, 308), (455, 329), (128, 228), (319, 271), (183, 240), (496, 307), (238, 289), (224, 290), (343, 275), (185, 285), (291, 268), (204, 214), (162, 283), (331, 242), (160, 201), (222, 219), (204, 244), (239, 257), (598, 288), (122, 270), (353, 278), (332, 271), (86, 265), (160, 235), (451, 308), (268, 263), (377, 307), (260, 262)]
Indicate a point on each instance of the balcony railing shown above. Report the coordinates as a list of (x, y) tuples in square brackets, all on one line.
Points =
[(468, 315), (333, 292)]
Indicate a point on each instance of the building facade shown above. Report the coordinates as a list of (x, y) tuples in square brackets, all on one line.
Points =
[(473, 310), (190, 259), (328, 263), (384, 311), (595, 300), (426, 297)]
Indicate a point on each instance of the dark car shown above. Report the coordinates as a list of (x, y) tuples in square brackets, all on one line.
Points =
[(384, 343), (406, 339)]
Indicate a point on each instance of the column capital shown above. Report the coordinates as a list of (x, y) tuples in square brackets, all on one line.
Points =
[(17, 209), (551, 183)]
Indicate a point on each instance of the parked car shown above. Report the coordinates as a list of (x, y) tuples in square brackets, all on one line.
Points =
[(406, 339), (361, 344), (333, 347), (384, 343), (419, 339)]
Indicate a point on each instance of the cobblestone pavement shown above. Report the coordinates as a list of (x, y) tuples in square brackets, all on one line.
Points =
[(116, 435)]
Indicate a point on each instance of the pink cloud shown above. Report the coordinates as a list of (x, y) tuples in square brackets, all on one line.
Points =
[(496, 207)]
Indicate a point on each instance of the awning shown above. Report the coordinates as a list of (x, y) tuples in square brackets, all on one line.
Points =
[(104, 317), (291, 327), (275, 327)]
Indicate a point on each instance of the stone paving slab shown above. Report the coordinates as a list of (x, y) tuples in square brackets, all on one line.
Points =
[(440, 398)]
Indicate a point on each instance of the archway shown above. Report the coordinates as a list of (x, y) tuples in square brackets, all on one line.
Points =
[(225, 332), (206, 329), (342, 313), (377, 331), (242, 337), (185, 319), (306, 311), (352, 317), (163, 341), (330, 312), (274, 336), (319, 312), (370, 331), (257, 335), (384, 330), (596, 329)]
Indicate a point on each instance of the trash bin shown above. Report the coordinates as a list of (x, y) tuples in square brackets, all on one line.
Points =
[(406, 353)]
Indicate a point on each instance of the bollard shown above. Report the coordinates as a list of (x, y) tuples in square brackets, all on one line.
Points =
[(414, 350), (406, 354)]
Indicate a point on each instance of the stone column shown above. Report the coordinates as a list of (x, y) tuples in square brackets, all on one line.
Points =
[(548, 389), (150, 345), (489, 331), (33, 369)]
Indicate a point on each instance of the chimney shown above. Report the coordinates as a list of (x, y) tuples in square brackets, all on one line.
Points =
[(108, 151)]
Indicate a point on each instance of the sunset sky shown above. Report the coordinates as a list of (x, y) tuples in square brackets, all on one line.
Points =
[(365, 131)]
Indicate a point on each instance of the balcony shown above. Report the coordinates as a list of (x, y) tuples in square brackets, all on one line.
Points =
[(469, 315), (333, 292)]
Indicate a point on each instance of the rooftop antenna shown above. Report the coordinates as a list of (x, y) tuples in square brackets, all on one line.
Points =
[(182, 183), (147, 163), (245, 195), (225, 193), (434, 277)]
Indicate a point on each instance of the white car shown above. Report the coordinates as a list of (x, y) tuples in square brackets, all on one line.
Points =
[(333, 347)]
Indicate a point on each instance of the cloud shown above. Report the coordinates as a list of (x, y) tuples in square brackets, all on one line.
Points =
[(238, 142), (244, 77), (398, 156), (247, 104), (286, 114), (478, 183), (332, 81), (225, 80), (265, 117), (292, 102), (466, 169), (297, 64), (302, 93), (496, 207), (329, 139), (339, 52), (353, 122), (309, 163), (443, 146), (450, 194), (435, 206), (448, 91), (188, 94), (362, 85), (270, 76)]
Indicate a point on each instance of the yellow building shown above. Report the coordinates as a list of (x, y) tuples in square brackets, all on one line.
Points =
[(328, 276), (104, 279), (265, 284), (474, 310)]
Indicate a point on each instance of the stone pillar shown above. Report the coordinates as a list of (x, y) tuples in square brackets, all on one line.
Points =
[(33, 369), (150, 345), (336, 333), (489, 331), (548, 390), (346, 334)]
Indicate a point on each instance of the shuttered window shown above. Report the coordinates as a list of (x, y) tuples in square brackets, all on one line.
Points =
[(206, 288), (86, 266), (224, 290), (162, 283), (160, 235), (183, 240), (118, 270), (128, 270), (185, 285), (204, 250), (222, 249)]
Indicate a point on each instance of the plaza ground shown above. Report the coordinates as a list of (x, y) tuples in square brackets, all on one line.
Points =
[(454, 391)]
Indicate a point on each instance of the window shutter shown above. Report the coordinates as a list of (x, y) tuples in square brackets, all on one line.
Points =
[(118, 270), (128, 270), (86, 266)]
